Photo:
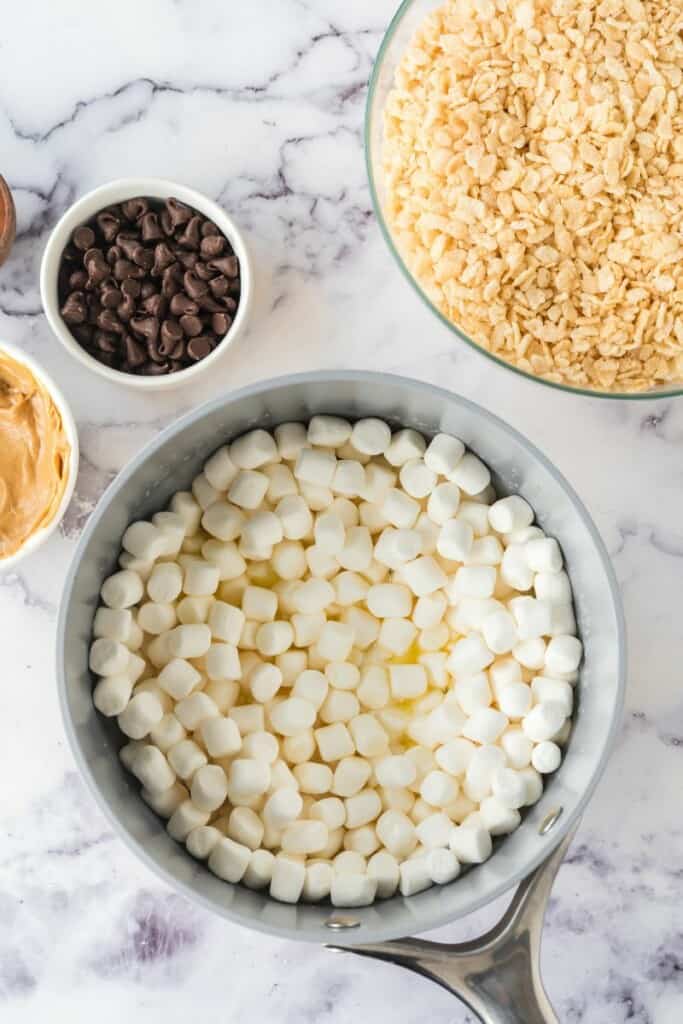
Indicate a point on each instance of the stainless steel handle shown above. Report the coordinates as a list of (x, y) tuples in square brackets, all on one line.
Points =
[(498, 975)]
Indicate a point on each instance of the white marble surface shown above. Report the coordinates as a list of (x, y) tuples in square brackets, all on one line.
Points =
[(260, 105)]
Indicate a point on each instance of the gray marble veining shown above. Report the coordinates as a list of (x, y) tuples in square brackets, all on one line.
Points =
[(260, 105)]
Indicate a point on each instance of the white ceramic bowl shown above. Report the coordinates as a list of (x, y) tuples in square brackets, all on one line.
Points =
[(40, 536), (116, 192)]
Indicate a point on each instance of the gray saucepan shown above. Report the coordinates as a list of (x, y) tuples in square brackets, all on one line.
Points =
[(531, 853)]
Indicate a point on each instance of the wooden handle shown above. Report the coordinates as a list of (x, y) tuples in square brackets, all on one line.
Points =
[(8, 220)]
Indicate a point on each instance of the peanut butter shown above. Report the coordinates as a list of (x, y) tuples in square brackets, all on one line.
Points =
[(34, 455)]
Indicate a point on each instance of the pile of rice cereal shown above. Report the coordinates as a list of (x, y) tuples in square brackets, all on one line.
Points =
[(533, 160)]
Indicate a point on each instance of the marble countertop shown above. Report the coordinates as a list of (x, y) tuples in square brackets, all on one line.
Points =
[(260, 105)]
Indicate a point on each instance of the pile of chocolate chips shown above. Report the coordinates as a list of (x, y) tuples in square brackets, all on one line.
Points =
[(149, 287)]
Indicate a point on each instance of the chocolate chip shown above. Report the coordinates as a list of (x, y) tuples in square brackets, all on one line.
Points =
[(155, 305), (78, 280), (108, 358), (133, 209), (191, 325), (146, 327), (114, 254), (219, 286), (153, 351), (163, 257), (151, 369), (178, 212), (194, 287), (210, 305), (227, 265), (71, 254), (83, 237), (166, 223), (127, 242), (148, 288), (136, 353), (209, 228), (172, 281), (126, 309), (199, 347), (180, 304), (131, 288), (190, 237), (188, 260), (151, 230), (111, 297), (212, 246), (124, 269), (220, 322), (109, 224), (171, 333), (83, 333), (106, 342), (202, 271), (143, 257), (74, 310), (107, 320)]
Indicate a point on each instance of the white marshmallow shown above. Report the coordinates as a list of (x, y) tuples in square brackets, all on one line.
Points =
[(313, 778), (544, 721), (311, 686), (178, 678), (156, 618), (563, 621), (185, 758), (396, 547), (282, 807), (471, 844), (262, 746), (483, 764), (290, 439), (253, 449), (315, 467), (475, 581), (312, 596), (553, 586), (295, 516), (429, 610), (444, 454), (334, 742), (292, 716), (470, 474), (223, 521), (342, 675), (274, 638), (349, 588), (443, 866), (201, 841), (443, 503), (509, 788), (517, 746), (387, 600), (417, 479), (397, 635), (500, 632), (485, 725), (515, 700), (368, 735), (352, 890), (193, 710), (289, 560), (261, 532), (530, 653), (141, 714), (318, 882), (153, 770), (220, 736), (469, 656), (166, 803), (545, 688), (259, 870), (497, 817), (167, 732), (534, 785), (399, 509), (193, 610), (184, 505), (328, 431), (288, 879), (362, 808), (563, 654), (546, 757), (384, 870), (141, 568), (317, 498), (511, 513), (544, 555), (112, 693), (454, 757), (515, 569), (435, 663), (331, 810), (220, 470), (184, 819), (244, 826), (229, 860), (414, 876), (173, 528), (407, 681), (349, 478), (476, 514), (485, 551), (438, 789), (365, 627), (223, 692), (259, 604), (373, 689), (339, 706), (371, 436), (395, 771), (350, 776), (203, 492), (248, 718), (282, 482), (248, 489), (209, 787), (113, 624), (122, 590), (144, 540), (423, 575), (189, 641), (291, 664), (165, 583), (434, 830), (247, 778), (533, 617), (357, 551), (472, 692), (397, 833), (109, 657)]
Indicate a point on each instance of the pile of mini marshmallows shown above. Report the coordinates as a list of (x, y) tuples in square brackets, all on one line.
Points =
[(341, 664)]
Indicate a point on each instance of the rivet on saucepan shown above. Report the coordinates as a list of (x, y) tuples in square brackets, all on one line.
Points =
[(338, 922), (550, 820)]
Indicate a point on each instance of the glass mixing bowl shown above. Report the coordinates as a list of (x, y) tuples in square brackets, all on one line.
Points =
[(407, 18)]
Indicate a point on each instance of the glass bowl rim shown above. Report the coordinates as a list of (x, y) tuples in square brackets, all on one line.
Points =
[(667, 391)]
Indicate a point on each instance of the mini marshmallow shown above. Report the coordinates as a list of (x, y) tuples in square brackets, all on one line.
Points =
[(530, 653), (311, 686), (387, 600), (397, 833), (485, 551), (475, 581), (544, 555), (253, 450), (499, 631), (349, 478), (167, 732), (350, 776), (156, 618), (533, 617), (476, 514), (435, 663), (469, 656), (288, 879), (349, 588), (438, 789), (141, 714), (229, 860), (108, 657), (400, 509), (248, 718), (144, 540), (313, 778), (244, 826), (515, 700), (259, 870), (248, 489), (356, 553), (546, 757), (223, 692), (209, 787), (362, 840), (290, 439), (414, 876), (223, 521), (193, 710), (373, 689), (563, 654), (173, 528), (515, 569), (247, 778), (203, 492), (328, 431), (508, 788), (444, 453), (295, 516), (259, 604), (471, 844), (534, 785), (189, 641), (220, 470), (455, 540), (371, 436), (312, 596), (517, 747), (434, 830), (153, 770), (282, 807), (407, 681), (511, 513), (273, 638), (334, 742), (201, 841), (485, 725), (184, 819), (331, 810), (383, 868), (192, 610), (122, 590), (178, 678), (454, 757), (563, 621), (443, 866), (362, 808), (342, 675), (472, 692), (335, 641), (329, 533), (165, 583), (429, 610), (544, 688), (497, 817), (112, 693), (289, 560), (553, 586), (315, 467), (443, 503), (544, 721), (113, 624), (395, 771), (220, 736), (423, 575), (470, 474), (166, 803), (317, 498), (318, 882), (368, 735), (141, 568), (292, 716), (483, 764), (184, 505), (396, 635), (339, 706), (417, 479)]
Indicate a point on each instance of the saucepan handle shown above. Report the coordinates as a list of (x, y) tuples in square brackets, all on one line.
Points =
[(498, 975)]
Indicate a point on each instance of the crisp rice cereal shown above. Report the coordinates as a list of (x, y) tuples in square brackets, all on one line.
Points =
[(533, 160)]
